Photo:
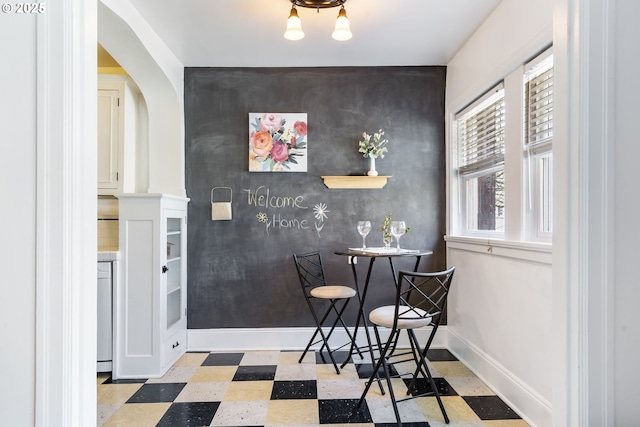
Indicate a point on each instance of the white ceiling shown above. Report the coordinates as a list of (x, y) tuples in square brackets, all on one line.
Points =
[(249, 33)]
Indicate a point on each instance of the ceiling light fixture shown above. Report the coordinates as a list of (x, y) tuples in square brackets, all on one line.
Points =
[(294, 26)]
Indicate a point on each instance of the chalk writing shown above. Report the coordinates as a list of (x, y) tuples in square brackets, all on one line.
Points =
[(277, 222), (262, 197)]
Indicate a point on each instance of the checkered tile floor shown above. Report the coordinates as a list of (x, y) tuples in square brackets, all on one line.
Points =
[(270, 388)]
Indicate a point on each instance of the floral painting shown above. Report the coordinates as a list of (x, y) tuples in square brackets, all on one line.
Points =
[(277, 142)]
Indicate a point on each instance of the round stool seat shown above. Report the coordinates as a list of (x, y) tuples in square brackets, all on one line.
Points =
[(408, 318), (332, 292)]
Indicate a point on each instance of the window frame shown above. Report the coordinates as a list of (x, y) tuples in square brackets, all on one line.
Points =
[(483, 165), (464, 180), (536, 189), (522, 169)]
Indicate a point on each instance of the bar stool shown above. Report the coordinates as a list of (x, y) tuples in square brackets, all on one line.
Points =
[(421, 299), (314, 287)]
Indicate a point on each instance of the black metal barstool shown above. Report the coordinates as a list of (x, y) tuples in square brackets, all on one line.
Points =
[(314, 286), (421, 299)]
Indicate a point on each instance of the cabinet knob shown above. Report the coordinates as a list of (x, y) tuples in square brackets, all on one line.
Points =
[(175, 345), (165, 268)]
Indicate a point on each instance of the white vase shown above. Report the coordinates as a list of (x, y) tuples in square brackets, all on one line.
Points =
[(372, 166)]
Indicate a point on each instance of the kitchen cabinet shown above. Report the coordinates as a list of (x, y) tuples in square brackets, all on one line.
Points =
[(105, 317), (151, 296), (117, 134)]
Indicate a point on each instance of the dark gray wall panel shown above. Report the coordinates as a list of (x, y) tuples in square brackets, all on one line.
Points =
[(240, 273)]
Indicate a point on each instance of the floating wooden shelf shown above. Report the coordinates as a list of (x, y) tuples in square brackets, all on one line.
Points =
[(355, 181)]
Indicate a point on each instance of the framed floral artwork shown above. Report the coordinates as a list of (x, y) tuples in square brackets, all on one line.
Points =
[(278, 142)]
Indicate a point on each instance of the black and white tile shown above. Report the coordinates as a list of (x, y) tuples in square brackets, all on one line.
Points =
[(270, 388)]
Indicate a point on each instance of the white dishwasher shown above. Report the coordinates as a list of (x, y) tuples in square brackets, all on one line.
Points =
[(105, 316)]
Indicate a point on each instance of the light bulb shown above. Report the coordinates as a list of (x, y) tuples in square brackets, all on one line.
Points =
[(294, 26), (342, 31)]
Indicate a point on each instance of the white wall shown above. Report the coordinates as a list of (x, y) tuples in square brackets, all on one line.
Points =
[(595, 290), (510, 36), (500, 322), (500, 305), (48, 181), (627, 207), (18, 193), (159, 75)]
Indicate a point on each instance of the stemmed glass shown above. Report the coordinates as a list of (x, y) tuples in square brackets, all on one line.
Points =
[(364, 227), (398, 228)]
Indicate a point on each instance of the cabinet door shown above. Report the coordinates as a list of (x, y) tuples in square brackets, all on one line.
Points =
[(108, 139), (174, 271)]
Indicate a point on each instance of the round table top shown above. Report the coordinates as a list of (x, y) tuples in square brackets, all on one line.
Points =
[(382, 252)]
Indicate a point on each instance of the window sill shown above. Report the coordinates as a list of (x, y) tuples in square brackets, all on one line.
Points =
[(525, 251)]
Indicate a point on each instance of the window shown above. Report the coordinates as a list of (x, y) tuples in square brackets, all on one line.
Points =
[(480, 136), (502, 158), (538, 140)]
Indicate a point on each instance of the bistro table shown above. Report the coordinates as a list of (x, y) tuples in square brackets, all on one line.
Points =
[(361, 291)]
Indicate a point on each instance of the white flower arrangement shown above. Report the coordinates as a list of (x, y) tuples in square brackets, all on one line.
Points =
[(373, 145)]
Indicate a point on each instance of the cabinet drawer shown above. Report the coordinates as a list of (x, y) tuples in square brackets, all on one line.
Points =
[(174, 347)]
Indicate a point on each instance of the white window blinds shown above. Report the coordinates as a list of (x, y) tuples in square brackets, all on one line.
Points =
[(480, 129), (539, 104)]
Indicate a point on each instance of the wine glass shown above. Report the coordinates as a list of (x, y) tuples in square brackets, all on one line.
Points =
[(364, 227), (398, 228)]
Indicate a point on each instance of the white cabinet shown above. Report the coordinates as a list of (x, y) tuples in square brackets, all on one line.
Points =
[(117, 134), (105, 317), (151, 296)]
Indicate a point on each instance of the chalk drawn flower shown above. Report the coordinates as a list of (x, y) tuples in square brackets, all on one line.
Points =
[(262, 217), (320, 211)]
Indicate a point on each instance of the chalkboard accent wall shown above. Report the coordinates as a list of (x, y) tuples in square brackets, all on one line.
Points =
[(241, 272)]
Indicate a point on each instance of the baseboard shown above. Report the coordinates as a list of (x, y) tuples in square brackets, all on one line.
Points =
[(529, 404), (104, 366), (243, 339)]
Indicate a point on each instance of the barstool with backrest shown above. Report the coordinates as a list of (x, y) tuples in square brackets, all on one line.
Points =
[(314, 287), (421, 299)]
